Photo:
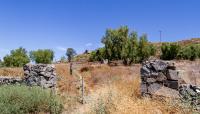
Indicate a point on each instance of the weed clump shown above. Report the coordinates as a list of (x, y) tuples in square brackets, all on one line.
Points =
[(23, 100)]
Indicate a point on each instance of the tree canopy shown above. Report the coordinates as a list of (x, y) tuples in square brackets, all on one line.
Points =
[(42, 56), (16, 58)]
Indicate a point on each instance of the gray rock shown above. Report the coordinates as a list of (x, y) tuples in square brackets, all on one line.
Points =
[(174, 84), (159, 65), (152, 88), (161, 77), (151, 80), (172, 75)]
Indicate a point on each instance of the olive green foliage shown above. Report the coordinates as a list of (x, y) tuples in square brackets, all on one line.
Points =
[(28, 100), (172, 51), (190, 52), (169, 51), (70, 54), (17, 58), (42, 56), (120, 44), (98, 55), (145, 49)]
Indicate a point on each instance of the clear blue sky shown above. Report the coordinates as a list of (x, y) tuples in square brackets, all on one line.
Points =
[(80, 24)]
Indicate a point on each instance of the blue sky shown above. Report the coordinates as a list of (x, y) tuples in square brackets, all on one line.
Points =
[(80, 24)]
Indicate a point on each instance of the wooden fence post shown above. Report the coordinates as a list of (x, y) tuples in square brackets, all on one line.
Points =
[(70, 68), (82, 89)]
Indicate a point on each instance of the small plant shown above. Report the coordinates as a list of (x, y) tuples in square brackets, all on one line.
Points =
[(23, 100)]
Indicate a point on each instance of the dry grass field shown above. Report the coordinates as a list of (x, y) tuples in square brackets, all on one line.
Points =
[(114, 90)]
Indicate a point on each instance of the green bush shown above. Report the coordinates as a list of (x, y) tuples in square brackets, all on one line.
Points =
[(17, 58), (24, 100), (42, 56), (190, 52), (169, 51), (98, 55)]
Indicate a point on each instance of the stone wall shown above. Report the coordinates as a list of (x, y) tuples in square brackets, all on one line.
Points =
[(159, 76), (40, 75), (34, 75), (10, 80)]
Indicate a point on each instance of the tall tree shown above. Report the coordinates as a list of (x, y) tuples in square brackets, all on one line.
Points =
[(70, 54), (114, 41)]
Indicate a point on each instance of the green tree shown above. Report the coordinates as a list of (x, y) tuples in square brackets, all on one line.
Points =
[(44, 56), (17, 58), (134, 47), (114, 41), (143, 48), (70, 54)]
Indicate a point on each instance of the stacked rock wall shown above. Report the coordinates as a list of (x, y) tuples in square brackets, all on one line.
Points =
[(40, 75), (10, 80), (158, 76), (34, 75)]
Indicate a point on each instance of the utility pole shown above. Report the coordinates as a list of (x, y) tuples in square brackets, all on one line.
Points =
[(160, 35)]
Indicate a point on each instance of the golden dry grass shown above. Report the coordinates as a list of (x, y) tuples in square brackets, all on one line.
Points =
[(115, 90), (120, 93), (11, 72)]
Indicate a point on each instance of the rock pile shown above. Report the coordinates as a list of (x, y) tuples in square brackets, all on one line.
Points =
[(159, 78), (40, 75), (190, 94), (10, 80)]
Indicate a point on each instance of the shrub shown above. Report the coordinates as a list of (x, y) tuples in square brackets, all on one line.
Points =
[(169, 51), (17, 58), (190, 52), (42, 56), (98, 55), (23, 100)]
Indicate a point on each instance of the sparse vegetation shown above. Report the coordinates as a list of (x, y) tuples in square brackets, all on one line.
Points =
[(23, 100)]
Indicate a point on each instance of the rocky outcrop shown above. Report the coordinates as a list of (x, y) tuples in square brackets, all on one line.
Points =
[(40, 75), (158, 76), (190, 94)]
